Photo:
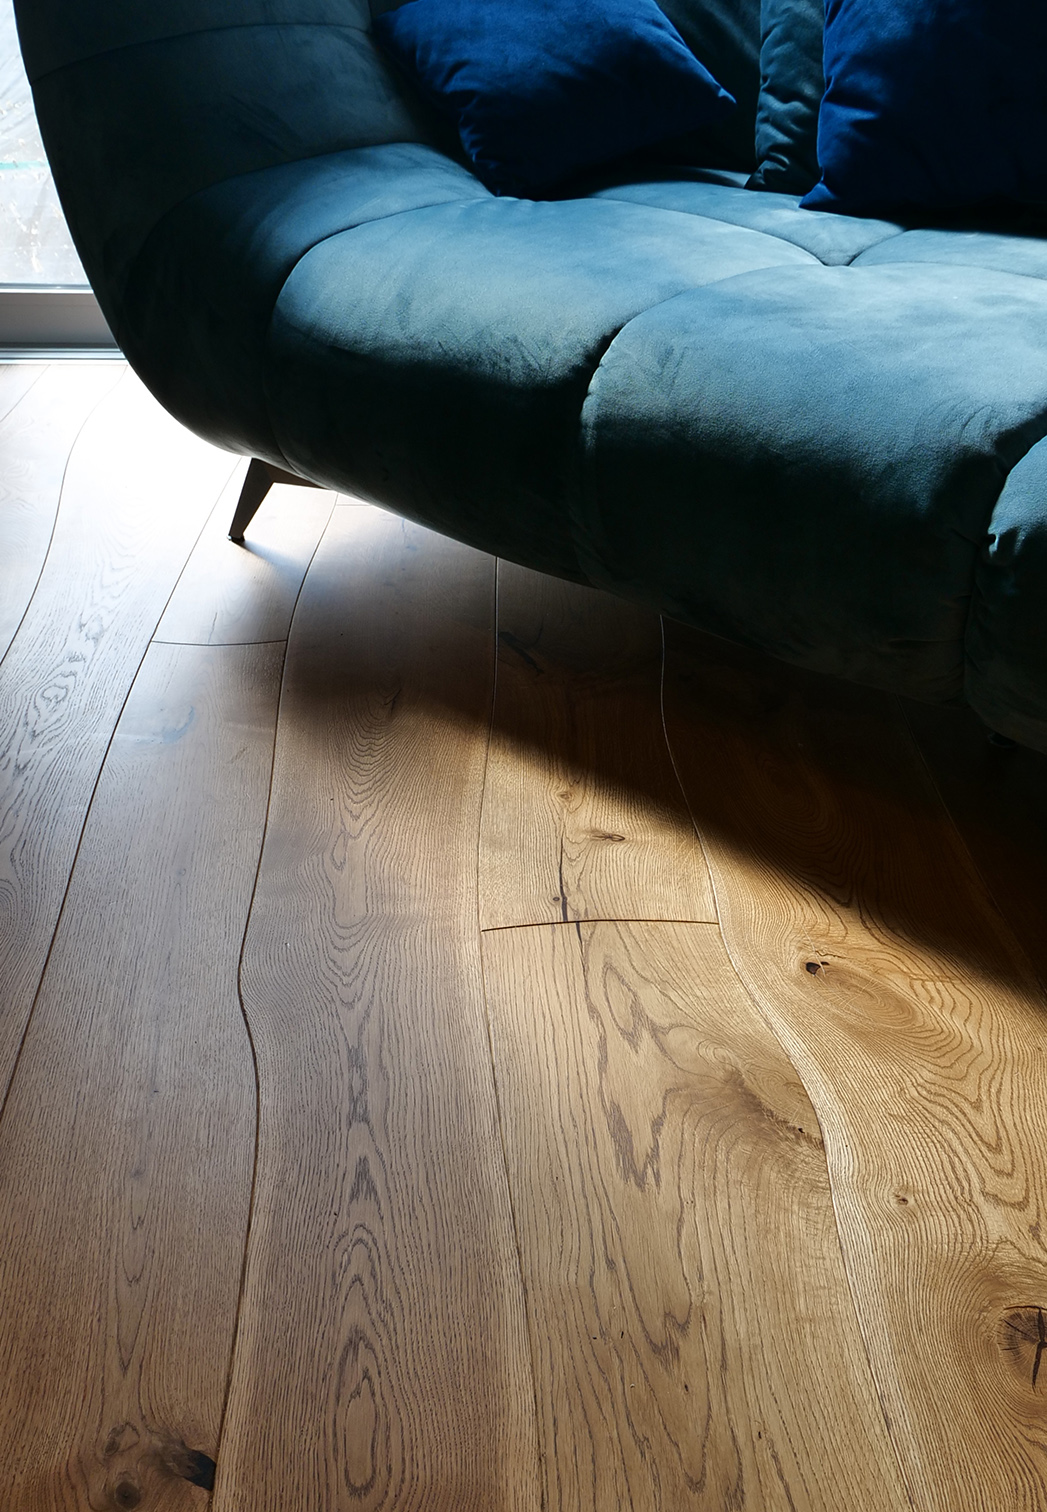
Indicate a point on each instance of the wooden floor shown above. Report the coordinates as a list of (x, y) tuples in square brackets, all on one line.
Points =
[(463, 1049)]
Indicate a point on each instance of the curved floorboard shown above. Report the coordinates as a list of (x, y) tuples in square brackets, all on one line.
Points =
[(127, 1142), (854, 915), (121, 539), (695, 1340), (36, 437), (382, 1357)]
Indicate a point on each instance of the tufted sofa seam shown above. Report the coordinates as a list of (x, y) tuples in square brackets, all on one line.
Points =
[(726, 221), (309, 157), (289, 271), (377, 220), (604, 346)]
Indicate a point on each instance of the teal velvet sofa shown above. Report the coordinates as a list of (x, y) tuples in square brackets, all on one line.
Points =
[(815, 434)]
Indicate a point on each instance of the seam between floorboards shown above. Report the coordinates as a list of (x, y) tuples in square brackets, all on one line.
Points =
[(615, 919), (6, 1096), (242, 1291), (58, 507), (276, 640), (25, 395), (524, 1293)]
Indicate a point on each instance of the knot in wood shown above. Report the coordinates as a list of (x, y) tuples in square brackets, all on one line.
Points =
[(126, 1494), (1023, 1339)]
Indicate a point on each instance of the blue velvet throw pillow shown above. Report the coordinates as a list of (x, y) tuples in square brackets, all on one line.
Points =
[(932, 105), (542, 89)]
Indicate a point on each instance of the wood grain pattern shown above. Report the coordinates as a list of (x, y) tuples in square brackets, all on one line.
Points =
[(127, 1143), (855, 917), (121, 539), (583, 815), (694, 1304), (36, 436), (998, 799), (234, 594), (382, 1359), (695, 1339)]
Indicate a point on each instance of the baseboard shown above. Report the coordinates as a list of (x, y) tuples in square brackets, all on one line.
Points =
[(53, 320)]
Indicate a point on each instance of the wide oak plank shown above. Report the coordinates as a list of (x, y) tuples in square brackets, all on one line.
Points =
[(382, 1358), (231, 594), (583, 816), (127, 1142), (122, 536), (695, 1339), (36, 437), (855, 917)]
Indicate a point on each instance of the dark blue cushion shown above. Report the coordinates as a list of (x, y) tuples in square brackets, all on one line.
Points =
[(544, 88), (791, 87), (932, 105)]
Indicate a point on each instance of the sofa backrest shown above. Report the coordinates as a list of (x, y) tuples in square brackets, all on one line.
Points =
[(143, 103), (725, 35)]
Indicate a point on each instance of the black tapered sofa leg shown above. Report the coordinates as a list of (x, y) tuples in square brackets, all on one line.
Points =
[(260, 478)]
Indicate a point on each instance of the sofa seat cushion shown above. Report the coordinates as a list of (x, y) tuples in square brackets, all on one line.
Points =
[(438, 360), (1006, 253), (807, 459), (201, 294), (832, 239)]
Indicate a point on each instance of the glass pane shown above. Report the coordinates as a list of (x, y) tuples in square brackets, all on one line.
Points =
[(34, 243)]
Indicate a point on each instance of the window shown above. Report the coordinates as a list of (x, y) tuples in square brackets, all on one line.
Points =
[(45, 299)]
